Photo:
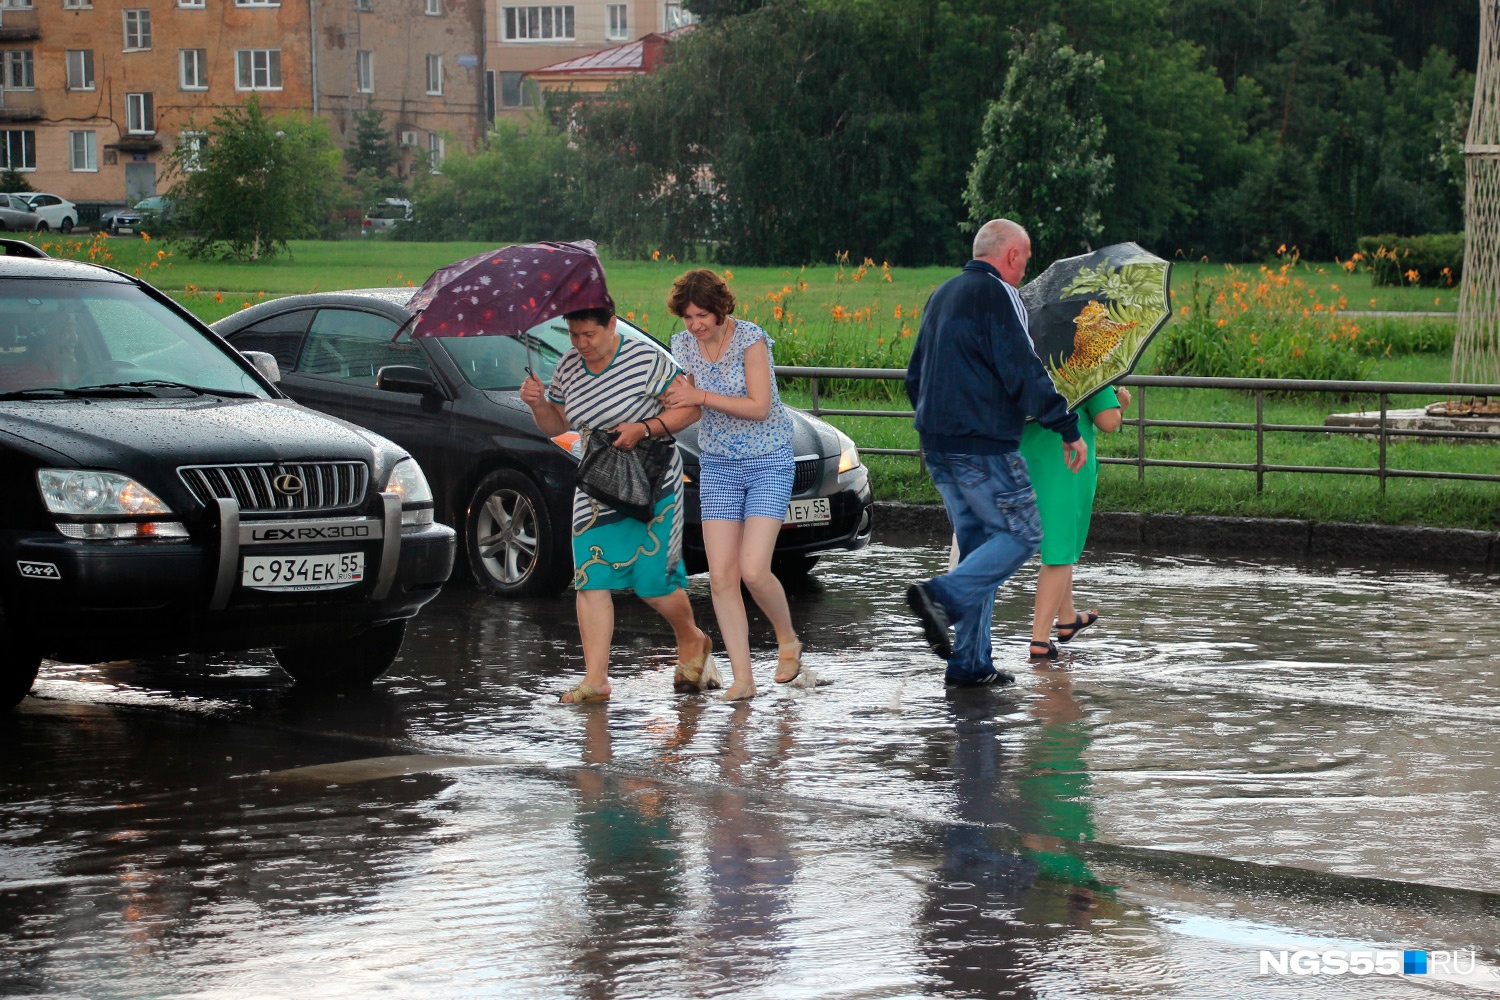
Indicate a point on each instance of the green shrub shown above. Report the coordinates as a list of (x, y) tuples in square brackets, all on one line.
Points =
[(1433, 261)]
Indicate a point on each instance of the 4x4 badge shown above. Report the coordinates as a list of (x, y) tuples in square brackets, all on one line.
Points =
[(287, 484), (38, 570)]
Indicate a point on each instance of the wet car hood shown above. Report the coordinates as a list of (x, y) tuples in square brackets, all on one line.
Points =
[(112, 433)]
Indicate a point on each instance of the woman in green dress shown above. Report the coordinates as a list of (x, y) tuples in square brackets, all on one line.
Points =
[(1066, 503)]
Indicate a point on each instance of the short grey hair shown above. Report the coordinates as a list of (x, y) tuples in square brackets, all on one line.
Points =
[(994, 237)]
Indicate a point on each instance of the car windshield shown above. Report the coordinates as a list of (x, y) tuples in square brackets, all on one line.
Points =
[(387, 212), (500, 363), (78, 336)]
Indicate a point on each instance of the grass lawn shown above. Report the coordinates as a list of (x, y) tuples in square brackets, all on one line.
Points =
[(861, 312)]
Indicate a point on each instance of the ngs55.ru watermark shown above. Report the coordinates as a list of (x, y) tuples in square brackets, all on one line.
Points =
[(1368, 963)]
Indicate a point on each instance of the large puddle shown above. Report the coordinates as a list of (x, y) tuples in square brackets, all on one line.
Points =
[(1240, 763)]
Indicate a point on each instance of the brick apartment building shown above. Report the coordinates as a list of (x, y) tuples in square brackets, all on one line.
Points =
[(93, 93)]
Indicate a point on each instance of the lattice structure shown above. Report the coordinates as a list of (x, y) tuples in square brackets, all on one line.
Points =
[(1476, 349)]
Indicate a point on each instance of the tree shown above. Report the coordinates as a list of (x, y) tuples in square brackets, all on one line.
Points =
[(1040, 160), (373, 148), (254, 182)]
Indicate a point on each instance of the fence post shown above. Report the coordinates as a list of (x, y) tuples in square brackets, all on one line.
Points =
[(1260, 440), (1384, 399), (817, 409), (1140, 436)]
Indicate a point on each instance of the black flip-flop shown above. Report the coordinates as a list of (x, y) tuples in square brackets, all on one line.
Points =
[(1079, 624)]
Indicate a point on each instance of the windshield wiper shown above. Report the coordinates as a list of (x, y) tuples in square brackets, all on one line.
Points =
[(157, 383)]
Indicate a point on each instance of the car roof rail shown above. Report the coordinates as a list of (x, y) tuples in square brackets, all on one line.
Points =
[(20, 248)]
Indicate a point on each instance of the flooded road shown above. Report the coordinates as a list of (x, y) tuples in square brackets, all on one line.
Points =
[(1241, 760)]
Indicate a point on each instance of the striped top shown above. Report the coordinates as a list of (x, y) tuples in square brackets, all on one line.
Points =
[(624, 392)]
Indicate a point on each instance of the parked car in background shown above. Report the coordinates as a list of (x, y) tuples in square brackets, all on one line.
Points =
[(384, 216), (54, 212), (16, 213), (157, 210), (120, 221), (162, 496), (507, 487)]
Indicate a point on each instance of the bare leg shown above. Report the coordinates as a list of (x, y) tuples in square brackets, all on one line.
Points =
[(596, 628), (1054, 599), (722, 542), (678, 612), (757, 544)]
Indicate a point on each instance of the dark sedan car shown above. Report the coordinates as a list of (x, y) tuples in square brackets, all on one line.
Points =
[(453, 403), (162, 497)]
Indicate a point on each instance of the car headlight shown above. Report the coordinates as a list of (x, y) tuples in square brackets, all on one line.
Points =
[(86, 494), (848, 454), (407, 481)]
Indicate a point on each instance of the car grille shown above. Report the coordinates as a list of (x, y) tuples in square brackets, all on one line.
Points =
[(806, 476), (325, 485)]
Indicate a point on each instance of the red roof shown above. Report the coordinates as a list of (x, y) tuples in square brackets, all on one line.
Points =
[(640, 56)]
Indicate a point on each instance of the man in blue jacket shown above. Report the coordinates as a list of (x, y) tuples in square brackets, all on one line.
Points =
[(973, 379)]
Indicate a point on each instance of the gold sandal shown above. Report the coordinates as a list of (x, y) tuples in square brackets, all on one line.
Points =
[(688, 678), (583, 694), (789, 658)]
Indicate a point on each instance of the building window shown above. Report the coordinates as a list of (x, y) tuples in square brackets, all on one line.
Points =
[(434, 7), (364, 5), (674, 16), (434, 74), (257, 3), (77, 5), (258, 69), (513, 90), (17, 4), (20, 72), (191, 144), (140, 113), (618, 25), (137, 30), (536, 24), (364, 71), (435, 150), (197, 4), (20, 149), (193, 68), (80, 69), (84, 151)]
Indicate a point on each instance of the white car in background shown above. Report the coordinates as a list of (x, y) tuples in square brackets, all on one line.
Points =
[(52, 211)]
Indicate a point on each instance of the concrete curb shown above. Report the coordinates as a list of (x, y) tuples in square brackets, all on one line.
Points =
[(1282, 538)]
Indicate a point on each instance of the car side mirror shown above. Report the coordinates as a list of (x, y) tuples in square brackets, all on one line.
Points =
[(265, 364), (405, 378)]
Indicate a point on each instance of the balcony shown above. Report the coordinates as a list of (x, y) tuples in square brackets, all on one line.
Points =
[(20, 105), (19, 24)]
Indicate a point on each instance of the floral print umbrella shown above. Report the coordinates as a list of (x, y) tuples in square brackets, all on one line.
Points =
[(1092, 316), (508, 291)]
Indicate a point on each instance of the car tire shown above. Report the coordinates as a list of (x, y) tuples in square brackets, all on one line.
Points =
[(793, 566), (18, 668), (67, 225), (513, 548), (42, 227), (347, 662)]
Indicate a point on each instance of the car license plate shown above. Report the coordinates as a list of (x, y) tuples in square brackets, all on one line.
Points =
[(124, 230), (321, 572), (814, 511)]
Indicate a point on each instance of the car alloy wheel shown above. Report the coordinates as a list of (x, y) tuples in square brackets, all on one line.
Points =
[(511, 545), (67, 225)]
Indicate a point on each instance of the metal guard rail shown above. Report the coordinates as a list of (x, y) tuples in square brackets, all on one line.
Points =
[(1382, 431)]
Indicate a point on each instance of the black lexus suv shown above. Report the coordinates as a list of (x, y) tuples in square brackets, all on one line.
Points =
[(159, 495)]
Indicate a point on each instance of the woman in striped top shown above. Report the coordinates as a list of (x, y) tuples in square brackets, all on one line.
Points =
[(612, 382)]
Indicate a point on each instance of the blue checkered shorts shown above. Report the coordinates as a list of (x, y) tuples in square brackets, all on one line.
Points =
[(734, 489)]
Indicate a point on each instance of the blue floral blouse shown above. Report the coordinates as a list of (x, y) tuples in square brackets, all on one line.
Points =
[(719, 434)]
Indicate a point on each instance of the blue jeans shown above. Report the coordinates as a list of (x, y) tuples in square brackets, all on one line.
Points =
[(993, 511)]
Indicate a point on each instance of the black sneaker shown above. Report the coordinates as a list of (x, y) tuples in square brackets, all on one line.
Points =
[(934, 619), (995, 678)]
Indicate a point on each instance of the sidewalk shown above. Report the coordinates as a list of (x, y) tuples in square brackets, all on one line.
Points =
[(1288, 538)]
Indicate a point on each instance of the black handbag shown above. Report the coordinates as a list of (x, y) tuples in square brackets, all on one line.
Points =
[(628, 481)]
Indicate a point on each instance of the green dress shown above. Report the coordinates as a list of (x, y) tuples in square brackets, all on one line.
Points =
[(1065, 499)]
